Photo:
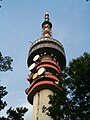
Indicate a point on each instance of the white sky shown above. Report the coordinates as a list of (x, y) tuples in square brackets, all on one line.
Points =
[(20, 22)]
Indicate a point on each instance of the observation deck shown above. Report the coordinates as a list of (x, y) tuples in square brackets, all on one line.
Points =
[(50, 46)]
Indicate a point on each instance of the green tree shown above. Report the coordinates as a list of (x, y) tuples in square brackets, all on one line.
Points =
[(3, 92), (12, 114), (5, 65), (16, 114), (73, 101)]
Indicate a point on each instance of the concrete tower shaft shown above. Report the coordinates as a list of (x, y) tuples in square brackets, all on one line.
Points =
[(46, 60)]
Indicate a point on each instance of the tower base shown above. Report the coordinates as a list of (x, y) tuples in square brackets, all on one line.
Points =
[(41, 99)]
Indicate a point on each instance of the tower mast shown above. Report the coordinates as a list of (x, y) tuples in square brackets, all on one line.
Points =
[(46, 26), (46, 60)]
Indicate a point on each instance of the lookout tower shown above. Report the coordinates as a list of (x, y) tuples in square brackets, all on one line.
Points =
[(46, 60)]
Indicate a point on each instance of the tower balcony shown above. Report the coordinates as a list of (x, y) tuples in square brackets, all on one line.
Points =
[(45, 78), (49, 46), (47, 81)]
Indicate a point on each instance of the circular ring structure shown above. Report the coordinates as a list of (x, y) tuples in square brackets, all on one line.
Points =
[(31, 66), (36, 57), (41, 71), (35, 76)]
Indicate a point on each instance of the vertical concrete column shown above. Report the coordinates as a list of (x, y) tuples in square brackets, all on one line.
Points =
[(41, 98)]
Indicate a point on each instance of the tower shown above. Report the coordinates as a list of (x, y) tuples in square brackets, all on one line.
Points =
[(46, 60)]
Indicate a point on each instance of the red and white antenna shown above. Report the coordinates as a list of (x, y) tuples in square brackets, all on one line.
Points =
[(46, 26)]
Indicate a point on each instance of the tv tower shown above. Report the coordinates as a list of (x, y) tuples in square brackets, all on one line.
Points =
[(46, 60)]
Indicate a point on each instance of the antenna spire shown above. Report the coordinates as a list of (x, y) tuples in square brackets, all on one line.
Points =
[(46, 26)]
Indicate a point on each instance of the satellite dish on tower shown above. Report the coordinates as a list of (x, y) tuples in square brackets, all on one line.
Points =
[(31, 66), (41, 71), (35, 76), (36, 58), (56, 82)]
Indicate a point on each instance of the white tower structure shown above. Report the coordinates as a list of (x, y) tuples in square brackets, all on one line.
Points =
[(46, 60)]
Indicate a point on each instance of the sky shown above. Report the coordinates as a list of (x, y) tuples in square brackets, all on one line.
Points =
[(20, 23)]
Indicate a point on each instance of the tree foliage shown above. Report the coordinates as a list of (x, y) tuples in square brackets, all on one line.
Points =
[(3, 92), (5, 63), (12, 114), (73, 101), (16, 114)]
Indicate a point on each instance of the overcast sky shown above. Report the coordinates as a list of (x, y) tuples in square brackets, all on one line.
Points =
[(20, 22)]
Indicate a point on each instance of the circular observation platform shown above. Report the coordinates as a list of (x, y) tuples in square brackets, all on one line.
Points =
[(41, 85), (50, 46)]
